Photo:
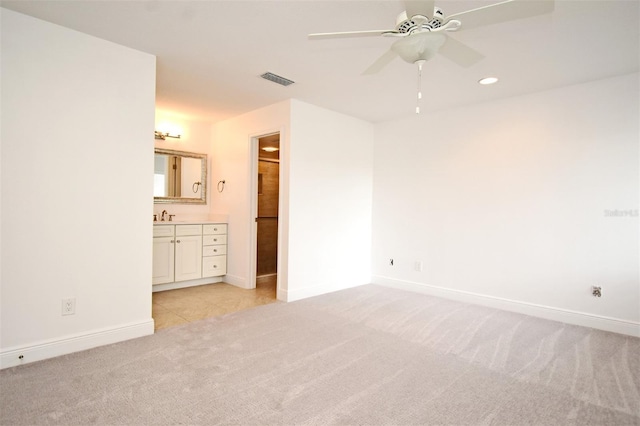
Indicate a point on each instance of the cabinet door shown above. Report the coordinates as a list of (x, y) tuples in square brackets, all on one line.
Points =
[(188, 257), (163, 249)]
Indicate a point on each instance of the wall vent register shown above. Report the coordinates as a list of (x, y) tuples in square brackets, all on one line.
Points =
[(277, 79)]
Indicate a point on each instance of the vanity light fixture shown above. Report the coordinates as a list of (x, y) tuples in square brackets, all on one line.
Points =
[(164, 135), (270, 149), (488, 80)]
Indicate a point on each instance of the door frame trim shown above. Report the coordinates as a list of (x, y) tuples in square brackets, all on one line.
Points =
[(253, 209)]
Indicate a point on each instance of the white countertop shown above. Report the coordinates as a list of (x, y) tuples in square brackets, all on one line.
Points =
[(188, 222), (187, 219)]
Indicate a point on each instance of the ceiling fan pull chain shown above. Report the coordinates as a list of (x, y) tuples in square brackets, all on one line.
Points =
[(419, 97)]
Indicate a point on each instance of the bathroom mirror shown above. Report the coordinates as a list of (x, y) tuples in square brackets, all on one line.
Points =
[(179, 177)]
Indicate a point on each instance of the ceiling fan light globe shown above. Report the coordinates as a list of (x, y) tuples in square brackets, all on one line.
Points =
[(418, 46)]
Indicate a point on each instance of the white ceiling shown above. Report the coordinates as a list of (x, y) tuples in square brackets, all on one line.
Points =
[(210, 53)]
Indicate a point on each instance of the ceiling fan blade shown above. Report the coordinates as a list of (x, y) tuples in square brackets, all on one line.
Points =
[(380, 63), (345, 34), (460, 53), (422, 7), (501, 12)]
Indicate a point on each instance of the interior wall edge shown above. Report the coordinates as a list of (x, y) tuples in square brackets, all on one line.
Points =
[(78, 195), (583, 319)]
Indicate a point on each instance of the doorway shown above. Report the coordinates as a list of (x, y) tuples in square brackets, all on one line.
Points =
[(268, 187)]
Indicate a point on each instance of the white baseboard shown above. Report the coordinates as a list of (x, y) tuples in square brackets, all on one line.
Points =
[(303, 293), (185, 284), (237, 281), (547, 312), (14, 356)]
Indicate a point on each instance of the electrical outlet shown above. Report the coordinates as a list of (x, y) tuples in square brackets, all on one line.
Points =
[(417, 266), (69, 306), (596, 291)]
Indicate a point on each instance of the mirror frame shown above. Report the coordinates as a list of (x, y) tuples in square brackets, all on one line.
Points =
[(184, 200)]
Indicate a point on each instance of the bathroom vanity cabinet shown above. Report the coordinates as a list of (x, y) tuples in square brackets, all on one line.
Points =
[(189, 254)]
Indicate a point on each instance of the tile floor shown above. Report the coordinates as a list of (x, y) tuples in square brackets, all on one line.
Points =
[(174, 307)]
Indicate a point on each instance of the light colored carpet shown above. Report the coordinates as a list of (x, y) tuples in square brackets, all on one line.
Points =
[(368, 355)]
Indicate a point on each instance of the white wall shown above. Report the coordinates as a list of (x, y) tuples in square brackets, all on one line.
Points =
[(231, 161), (195, 137), (326, 171), (330, 201), (77, 162), (505, 203)]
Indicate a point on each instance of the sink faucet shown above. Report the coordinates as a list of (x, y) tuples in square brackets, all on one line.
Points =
[(163, 213)]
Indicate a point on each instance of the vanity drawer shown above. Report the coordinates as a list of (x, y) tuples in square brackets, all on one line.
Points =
[(214, 266), (184, 230), (214, 250), (211, 240), (163, 231), (214, 229)]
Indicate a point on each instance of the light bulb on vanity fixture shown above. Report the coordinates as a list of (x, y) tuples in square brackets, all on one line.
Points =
[(165, 135), (270, 149)]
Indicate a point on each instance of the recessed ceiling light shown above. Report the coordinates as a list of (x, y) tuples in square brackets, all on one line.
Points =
[(488, 80), (270, 148)]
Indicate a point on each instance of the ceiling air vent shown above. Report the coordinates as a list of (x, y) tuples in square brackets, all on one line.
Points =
[(277, 79)]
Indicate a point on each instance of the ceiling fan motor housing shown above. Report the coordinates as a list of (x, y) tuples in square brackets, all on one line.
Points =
[(408, 25)]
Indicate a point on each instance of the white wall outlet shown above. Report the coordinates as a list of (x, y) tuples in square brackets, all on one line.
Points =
[(69, 306), (417, 266)]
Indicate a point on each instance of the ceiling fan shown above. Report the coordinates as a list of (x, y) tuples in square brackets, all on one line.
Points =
[(422, 29)]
